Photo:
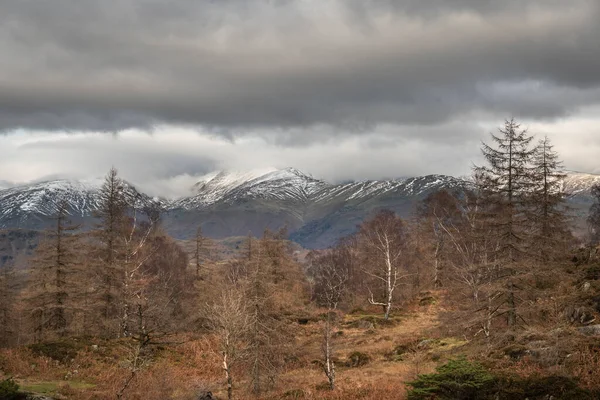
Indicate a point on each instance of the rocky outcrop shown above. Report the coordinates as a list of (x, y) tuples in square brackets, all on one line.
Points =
[(590, 330)]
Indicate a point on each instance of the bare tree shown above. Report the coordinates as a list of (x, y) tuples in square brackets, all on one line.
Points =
[(439, 210), (593, 219), (383, 240), (549, 208), (153, 289), (52, 284), (230, 321), (199, 250), (8, 298), (133, 279), (505, 186), (468, 246), (331, 281), (111, 229)]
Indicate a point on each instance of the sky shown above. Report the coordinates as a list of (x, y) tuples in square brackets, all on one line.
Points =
[(340, 89)]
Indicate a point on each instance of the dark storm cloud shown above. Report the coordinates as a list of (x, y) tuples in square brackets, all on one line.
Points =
[(237, 66)]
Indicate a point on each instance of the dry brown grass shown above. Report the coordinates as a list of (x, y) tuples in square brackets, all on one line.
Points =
[(181, 370)]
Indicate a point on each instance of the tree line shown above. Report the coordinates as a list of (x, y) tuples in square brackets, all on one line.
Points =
[(499, 249)]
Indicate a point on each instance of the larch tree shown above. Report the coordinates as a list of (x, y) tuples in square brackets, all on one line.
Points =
[(383, 240), (266, 332), (593, 219), (548, 213), (199, 251), (505, 185), (52, 283), (8, 298), (110, 230)]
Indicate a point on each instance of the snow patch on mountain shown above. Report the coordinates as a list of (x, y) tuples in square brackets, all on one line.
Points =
[(287, 188), (43, 199), (579, 182), (229, 186)]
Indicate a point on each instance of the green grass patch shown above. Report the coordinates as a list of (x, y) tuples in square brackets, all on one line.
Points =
[(51, 387)]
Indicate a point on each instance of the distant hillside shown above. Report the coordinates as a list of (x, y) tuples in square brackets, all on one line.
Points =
[(228, 204)]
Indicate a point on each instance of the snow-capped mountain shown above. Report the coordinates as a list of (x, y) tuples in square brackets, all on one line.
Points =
[(229, 203), (30, 206), (579, 182), (230, 186)]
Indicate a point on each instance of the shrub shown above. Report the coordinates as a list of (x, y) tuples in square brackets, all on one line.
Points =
[(462, 380), (399, 352), (294, 394), (457, 380), (592, 273), (58, 351), (541, 388), (358, 359), (9, 390)]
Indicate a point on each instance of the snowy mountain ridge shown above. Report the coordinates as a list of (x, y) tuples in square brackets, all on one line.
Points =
[(229, 203), (267, 183), (42, 199), (579, 182)]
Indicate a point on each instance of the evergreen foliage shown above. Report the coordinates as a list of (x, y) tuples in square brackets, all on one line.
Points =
[(9, 390), (459, 379)]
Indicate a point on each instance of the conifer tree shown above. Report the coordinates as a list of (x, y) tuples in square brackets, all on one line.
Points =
[(548, 212), (111, 228), (506, 184), (265, 331), (198, 251), (53, 283), (593, 219)]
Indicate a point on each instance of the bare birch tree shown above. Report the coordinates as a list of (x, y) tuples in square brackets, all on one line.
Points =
[(383, 240), (230, 321), (331, 285)]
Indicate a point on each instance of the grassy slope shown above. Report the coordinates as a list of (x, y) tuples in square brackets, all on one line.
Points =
[(178, 371)]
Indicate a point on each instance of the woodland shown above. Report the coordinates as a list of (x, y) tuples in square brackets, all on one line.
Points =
[(484, 293)]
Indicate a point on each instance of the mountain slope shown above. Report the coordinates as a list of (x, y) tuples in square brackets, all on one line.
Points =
[(228, 187), (32, 206), (228, 203)]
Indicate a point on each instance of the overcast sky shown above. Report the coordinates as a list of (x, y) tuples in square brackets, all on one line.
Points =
[(341, 89)]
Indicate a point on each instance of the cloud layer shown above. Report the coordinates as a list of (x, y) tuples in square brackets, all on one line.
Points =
[(169, 161), (342, 89), (353, 64)]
